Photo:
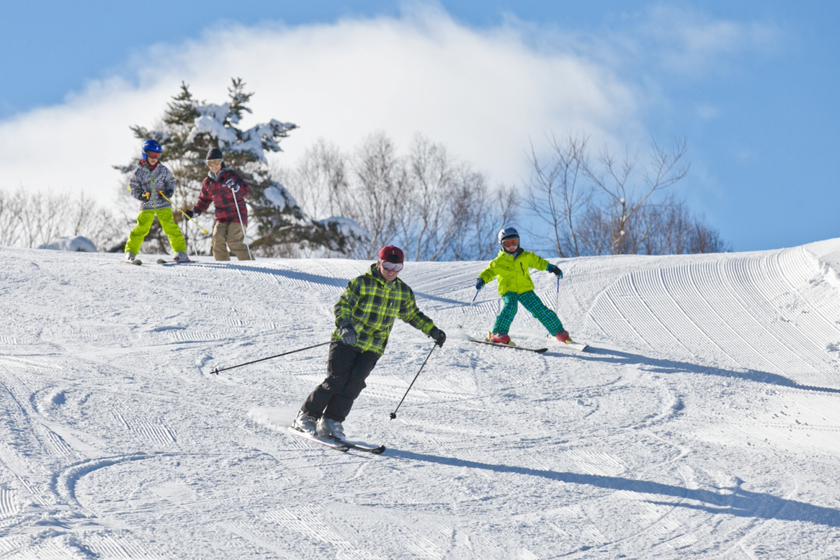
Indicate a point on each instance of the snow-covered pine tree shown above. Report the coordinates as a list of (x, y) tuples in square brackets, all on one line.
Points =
[(277, 226)]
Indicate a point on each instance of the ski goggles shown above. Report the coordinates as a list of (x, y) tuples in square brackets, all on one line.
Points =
[(388, 265), (213, 162), (150, 155), (512, 242)]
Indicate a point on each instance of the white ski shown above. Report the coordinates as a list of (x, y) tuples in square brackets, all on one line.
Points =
[(327, 442), (581, 347)]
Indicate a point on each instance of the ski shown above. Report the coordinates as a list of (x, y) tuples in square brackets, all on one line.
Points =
[(572, 344), (138, 262), (499, 345), (170, 263), (327, 442), (362, 446)]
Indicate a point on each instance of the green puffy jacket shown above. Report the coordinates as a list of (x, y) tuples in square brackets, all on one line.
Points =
[(513, 271), (371, 304)]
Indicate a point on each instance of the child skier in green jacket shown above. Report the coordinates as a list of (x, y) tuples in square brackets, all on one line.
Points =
[(511, 267)]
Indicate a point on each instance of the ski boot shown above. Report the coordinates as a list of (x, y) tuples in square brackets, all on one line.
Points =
[(500, 338), (305, 423), (328, 428)]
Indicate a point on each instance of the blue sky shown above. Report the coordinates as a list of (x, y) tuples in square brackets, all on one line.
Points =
[(752, 86)]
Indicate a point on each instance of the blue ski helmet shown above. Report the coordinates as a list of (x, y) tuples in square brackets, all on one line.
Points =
[(151, 145), (507, 233)]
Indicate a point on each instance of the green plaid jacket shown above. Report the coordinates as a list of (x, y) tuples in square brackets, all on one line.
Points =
[(372, 305)]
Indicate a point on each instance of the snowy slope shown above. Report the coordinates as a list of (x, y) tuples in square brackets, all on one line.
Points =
[(704, 422)]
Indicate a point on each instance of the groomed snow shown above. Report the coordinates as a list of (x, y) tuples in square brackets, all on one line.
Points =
[(703, 423)]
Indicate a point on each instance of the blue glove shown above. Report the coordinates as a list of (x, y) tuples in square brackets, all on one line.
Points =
[(479, 283), (555, 270)]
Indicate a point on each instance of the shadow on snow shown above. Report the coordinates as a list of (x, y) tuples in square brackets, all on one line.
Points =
[(738, 503), (674, 366)]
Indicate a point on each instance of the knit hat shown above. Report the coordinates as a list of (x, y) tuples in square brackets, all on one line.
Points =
[(214, 153), (391, 254)]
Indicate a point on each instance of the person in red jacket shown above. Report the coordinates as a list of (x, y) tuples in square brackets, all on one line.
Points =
[(227, 191)]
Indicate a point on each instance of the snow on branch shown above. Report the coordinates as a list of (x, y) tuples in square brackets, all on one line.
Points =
[(217, 122)]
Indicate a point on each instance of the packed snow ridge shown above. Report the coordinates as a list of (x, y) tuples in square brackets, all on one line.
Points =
[(703, 422)]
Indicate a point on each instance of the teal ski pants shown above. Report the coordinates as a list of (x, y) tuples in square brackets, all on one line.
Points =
[(532, 303)]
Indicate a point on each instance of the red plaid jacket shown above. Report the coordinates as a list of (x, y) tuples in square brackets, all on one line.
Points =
[(219, 193)]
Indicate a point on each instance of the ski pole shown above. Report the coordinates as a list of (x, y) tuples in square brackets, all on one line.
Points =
[(204, 231), (475, 296), (244, 234), (394, 414), (216, 370)]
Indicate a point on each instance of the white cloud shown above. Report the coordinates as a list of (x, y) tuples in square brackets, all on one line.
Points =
[(483, 93), (689, 41)]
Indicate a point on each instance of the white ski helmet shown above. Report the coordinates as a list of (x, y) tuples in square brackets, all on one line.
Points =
[(507, 233)]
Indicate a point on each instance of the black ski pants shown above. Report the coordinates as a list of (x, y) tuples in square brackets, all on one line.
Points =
[(347, 369)]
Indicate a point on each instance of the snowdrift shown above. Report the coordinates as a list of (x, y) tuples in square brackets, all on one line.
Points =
[(703, 421)]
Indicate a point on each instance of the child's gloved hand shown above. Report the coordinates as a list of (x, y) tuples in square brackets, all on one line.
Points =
[(555, 270), (231, 184), (479, 283)]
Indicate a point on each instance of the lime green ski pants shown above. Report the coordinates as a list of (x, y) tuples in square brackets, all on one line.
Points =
[(144, 224)]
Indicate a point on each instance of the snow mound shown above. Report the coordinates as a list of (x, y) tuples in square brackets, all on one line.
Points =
[(80, 244)]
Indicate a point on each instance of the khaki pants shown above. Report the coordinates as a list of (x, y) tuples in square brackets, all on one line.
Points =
[(231, 235)]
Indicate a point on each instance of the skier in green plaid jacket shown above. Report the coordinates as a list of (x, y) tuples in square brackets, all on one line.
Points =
[(364, 316)]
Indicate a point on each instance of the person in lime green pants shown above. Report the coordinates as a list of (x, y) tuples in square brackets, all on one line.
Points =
[(144, 224), (152, 184)]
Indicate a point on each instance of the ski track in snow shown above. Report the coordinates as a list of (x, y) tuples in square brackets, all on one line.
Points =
[(702, 421)]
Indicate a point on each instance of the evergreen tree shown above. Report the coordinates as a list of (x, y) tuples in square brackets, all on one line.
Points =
[(190, 128)]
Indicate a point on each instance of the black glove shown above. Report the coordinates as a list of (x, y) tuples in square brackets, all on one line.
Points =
[(231, 184), (348, 334), (189, 213), (438, 335), (479, 283), (555, 270)]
